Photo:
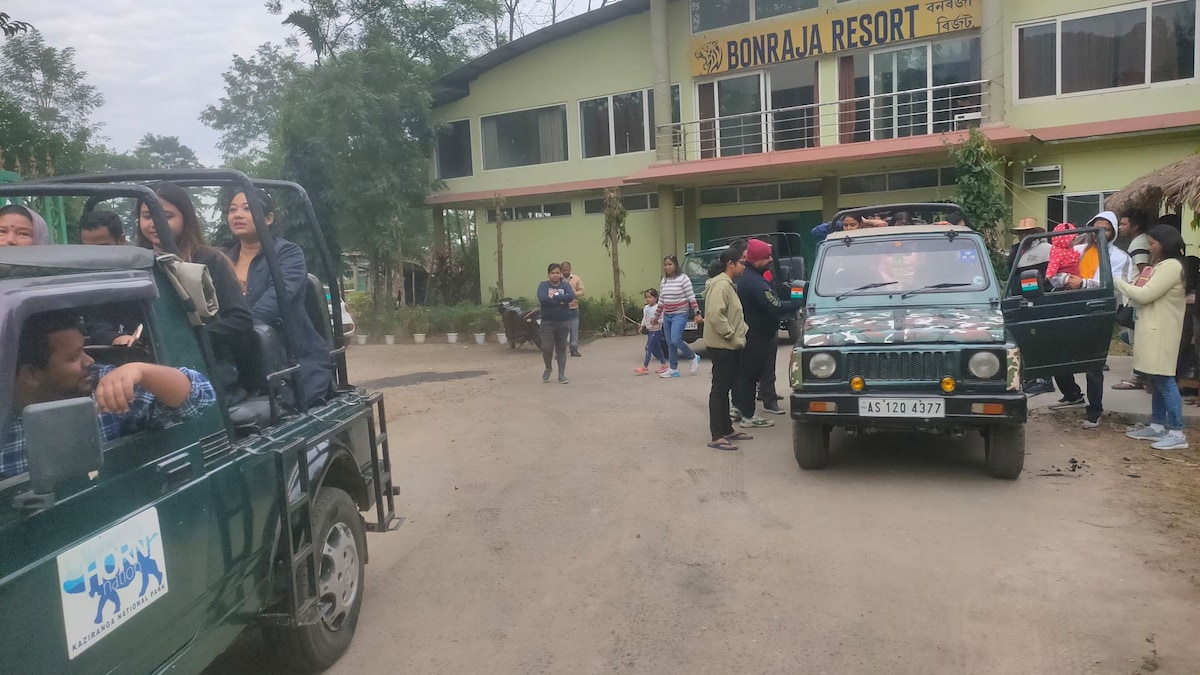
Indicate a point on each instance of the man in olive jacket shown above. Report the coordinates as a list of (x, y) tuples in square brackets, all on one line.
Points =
[(724, 338)]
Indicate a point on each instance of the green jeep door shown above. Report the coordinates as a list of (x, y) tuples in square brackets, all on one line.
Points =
[(1060, 331)]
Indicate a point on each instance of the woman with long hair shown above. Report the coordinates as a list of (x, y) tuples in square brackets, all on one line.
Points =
[(677, 297), (1160, 311), (234, 322), (254, 277)]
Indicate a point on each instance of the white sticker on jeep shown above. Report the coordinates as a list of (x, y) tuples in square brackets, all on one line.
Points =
[(109, 578)]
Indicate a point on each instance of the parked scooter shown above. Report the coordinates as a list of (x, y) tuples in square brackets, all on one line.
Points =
[(519, 325)]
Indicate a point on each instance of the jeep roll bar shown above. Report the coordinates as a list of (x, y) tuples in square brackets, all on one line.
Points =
[(867, 211), (289, 312)]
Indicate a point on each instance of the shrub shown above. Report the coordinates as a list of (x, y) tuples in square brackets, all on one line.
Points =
[(596, 315)]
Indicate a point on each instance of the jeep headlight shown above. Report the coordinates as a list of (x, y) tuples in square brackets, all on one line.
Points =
[(822, 365), (984, 365)]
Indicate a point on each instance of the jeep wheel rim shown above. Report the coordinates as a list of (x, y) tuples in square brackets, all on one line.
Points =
[(339, 576)]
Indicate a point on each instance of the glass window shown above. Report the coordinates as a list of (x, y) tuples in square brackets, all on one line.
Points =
[(708, 14), (739, 103), (1076, 209), (719, 195), (859, 184), (536, 211), (507, 213), (758, 193), (794, 123), (629, 128), (801, 190), (903, 265), (1105, 51), (593, 205), (1037, 49), (635, 202), (593, 117), (1173, 41), (910, 180), (766, 8), (524, 138), (454, 150)]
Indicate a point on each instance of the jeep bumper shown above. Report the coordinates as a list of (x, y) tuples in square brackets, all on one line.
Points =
[(957, 410)]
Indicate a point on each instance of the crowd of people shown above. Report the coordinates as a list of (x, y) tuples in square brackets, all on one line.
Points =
[(1155, 285), (245, 295)]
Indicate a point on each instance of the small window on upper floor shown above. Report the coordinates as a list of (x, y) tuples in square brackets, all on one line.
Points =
[(1107, 49), (709, 14), (524, 138), (454, 150)]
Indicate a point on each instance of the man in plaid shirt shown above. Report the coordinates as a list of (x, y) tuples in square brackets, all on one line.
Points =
[(51, 366)]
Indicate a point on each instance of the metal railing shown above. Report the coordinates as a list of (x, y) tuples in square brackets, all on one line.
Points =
[(915, 112)]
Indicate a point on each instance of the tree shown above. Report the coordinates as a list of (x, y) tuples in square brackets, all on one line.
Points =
[(498, 205), (46, 84), (249, 110), (152, 152), (11, 27), (981, 191), (29, 148), (615, 234)]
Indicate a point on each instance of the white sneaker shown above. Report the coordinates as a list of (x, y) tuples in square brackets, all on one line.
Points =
[(1173, 440), (1146, 434), (696, 365), (755, 422), (1088, 424), (669, 373)]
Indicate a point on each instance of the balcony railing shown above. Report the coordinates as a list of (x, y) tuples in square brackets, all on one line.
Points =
[(915, 112)]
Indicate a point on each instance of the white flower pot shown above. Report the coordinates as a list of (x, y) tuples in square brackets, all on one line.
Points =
[(361, 339), (502, 338), (389, 339), (480, 338), (452, 338), (419, 338)]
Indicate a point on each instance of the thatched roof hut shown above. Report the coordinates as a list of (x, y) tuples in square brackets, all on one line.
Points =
[(1171, 186)]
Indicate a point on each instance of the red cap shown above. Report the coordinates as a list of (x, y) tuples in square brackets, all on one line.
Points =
[(757, 249)]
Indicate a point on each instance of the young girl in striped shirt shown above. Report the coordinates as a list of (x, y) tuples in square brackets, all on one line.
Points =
[(676, 298)]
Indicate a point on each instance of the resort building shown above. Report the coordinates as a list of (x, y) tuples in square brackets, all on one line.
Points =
[(725, 117)]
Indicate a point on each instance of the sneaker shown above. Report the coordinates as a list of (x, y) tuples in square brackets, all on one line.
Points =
[(734, 414), (1173, 440), (1089, 424), (1146, 434), (755, 422), (1065, 403), (662, 369), (1037, 387), (669, 373), (562, 379), (546, 375), (774, 409), (641, 370), (575, 352), (695, 368)]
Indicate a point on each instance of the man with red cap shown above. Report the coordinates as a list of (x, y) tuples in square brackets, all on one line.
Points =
[(762, 309)]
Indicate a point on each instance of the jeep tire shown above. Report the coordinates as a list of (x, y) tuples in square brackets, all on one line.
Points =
[(340, 538), (810, 443), (1004, 450)]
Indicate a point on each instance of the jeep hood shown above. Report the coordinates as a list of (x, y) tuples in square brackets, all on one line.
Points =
[(904, 326)]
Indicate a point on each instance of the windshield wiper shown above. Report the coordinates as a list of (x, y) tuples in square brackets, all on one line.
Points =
[(932, 287), (867, 287)]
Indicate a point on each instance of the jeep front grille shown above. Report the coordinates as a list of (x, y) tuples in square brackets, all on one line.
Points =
[(901, 365)]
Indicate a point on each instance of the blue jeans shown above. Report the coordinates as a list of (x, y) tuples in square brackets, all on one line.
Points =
[(573, 340), (673, 326), (1166, 405), (654, 347)]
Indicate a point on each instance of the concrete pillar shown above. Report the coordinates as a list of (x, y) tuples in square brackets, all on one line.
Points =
[(991, 51), (691, 217), (667, 243), (830, 195), (439, 230), (660, 51)]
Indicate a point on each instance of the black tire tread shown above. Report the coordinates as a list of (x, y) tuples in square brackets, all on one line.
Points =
[(810, 444), (1005, 451)]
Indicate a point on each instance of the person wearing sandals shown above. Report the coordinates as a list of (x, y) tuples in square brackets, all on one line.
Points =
[(555, 296), (725, 337), (1160, 310)]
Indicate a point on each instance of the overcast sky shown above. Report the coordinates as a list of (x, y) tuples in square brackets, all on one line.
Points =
[(157, 62)]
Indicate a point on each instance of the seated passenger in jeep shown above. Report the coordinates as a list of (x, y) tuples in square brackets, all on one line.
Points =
[(52, 366), (20, 226)]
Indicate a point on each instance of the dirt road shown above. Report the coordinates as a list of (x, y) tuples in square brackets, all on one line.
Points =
[(586, 528)]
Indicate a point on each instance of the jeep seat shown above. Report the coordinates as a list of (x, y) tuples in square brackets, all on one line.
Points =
[(317, 309), (262, 355)]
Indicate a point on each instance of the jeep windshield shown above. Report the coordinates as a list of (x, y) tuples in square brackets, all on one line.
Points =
[(695, 265), (925, 265)]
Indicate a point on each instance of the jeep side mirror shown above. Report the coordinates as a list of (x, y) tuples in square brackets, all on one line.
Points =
[(62, 441), (1031, 285)]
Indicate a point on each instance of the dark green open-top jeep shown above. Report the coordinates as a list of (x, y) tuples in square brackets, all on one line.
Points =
[(155, 551), (908, 328)]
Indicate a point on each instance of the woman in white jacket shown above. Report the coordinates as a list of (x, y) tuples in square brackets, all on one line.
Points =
[(1160, 310)]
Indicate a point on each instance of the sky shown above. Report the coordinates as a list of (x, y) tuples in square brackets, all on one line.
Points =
[(158, 63)]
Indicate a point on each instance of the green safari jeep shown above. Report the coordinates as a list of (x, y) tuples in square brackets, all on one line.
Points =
[(908, 328), (154, 551)]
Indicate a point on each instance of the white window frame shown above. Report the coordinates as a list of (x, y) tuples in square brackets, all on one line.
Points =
[(927, 45), (1103, 194), (1146, 5), (437, 164), (753, 16), (764, 94), (647, 132), (483, 155)]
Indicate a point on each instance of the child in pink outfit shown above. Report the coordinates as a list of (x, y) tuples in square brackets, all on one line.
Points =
[(1064, 259)]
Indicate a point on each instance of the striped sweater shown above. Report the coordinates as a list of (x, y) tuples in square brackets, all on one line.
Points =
[(676, 295)]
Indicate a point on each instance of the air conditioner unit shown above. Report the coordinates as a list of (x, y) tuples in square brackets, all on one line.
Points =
[(967, 120), (1042, 176)]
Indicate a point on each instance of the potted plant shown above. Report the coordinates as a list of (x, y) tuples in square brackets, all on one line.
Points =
[(418, 323), (440, 321), (496, 324), (479, 324)]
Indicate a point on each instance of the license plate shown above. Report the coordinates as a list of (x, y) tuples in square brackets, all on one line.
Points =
[(901, 407), (691, 325)]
